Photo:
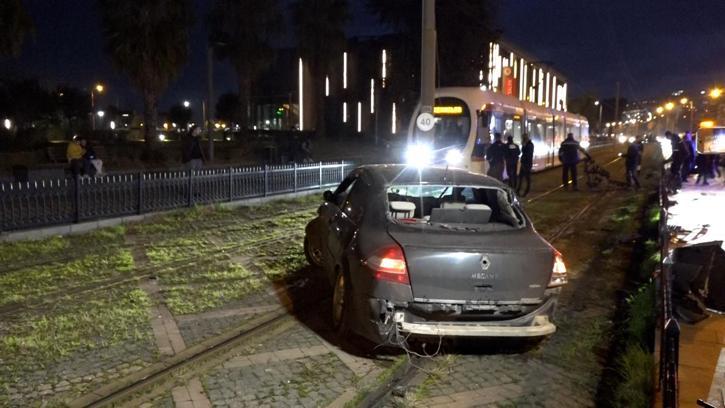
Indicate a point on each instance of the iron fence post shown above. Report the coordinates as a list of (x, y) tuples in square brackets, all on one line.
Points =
[(342, 171), (320, 174), (139, 186), (295, 178), (77, 200), (231, 184), (191, 187), (266, 180)]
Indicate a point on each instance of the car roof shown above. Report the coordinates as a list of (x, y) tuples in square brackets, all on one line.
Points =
[(388, 174)]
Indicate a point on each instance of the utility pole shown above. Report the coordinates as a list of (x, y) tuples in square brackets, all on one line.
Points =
[(616, 106), (210, 99), (427, 70)]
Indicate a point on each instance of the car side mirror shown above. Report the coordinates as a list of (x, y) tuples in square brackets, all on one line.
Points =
[(328, 196)]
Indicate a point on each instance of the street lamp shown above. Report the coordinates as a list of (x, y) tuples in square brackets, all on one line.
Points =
[(7, 124), (98, 88), (597, 103), (101, 113), (669, 106), (684, 101), (659, 110), (187, 104), (715, 93)]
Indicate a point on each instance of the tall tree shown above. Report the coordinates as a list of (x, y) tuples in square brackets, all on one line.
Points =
[(148, 41), (15, 25), (241, 33), (465, 27), (320, 30)]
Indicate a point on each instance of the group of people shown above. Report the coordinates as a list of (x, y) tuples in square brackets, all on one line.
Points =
[(82, 158), (505, 157), (685, 160)]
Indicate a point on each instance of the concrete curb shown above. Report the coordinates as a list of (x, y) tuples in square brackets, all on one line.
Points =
[(84, 227)]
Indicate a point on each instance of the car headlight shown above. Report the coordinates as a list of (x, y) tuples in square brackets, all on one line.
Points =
[(454, 157), (419, 155)]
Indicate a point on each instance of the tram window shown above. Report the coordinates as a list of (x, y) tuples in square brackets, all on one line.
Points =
[(483, 135), (453, 123)]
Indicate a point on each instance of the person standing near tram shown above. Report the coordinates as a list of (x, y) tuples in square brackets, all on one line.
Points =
[(496, 156), (512, 160), (527, 163), (569, 158)]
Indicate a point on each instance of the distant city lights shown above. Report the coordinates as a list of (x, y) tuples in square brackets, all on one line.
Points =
[(187, 104), (101, 113), (162, 137), (112, 125), (7, 124)]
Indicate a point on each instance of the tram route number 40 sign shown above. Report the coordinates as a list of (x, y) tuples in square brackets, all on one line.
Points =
[(425, 122)]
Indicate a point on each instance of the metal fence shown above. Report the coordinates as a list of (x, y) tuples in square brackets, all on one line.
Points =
[(670, 329), (63, 201)]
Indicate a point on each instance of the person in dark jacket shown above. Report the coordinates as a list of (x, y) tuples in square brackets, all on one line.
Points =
[(192, 153), (527, 162), (496, 155), (633, 157), (688, 157), (512, 160), (704, 168), (569, 158), (675, 160)]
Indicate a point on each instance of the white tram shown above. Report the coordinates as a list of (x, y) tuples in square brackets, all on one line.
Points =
[(467, 117)]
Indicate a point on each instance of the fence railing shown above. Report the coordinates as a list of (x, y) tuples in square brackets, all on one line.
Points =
[(670, 329), (62, 201)]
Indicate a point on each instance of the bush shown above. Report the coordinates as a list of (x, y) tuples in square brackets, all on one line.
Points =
[(636, 366)]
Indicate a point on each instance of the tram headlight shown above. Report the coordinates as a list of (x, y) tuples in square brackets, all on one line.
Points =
[(454, 157), (419, 155), (622, 139)]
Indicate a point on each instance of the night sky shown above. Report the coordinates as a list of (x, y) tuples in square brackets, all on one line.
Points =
[(652, 46)]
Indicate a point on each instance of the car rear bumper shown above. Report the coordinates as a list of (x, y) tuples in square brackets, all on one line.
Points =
[(540, 326), (391, 317)]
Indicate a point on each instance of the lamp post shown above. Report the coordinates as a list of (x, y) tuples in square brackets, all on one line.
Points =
[(599, 127), (98, 88)]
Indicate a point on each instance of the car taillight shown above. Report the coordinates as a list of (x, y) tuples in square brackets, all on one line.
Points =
[(388, 264), (558, 272)]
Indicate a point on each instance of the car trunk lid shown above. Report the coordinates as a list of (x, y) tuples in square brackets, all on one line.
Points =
[(504, 266)]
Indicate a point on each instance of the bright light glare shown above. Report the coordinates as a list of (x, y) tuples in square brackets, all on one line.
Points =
[(187, 104), (715, 93), (454, 157), (585, 144), (162, 137), (112, 125), (631, 139), (669, 106), (99, 88), (622, 139), (7, 124), (101, 114), (419, 155)]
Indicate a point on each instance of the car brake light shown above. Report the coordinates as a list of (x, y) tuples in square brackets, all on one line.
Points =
[(388, 264), (558, 272)]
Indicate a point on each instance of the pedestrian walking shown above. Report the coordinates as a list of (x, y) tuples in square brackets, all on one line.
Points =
[(633, 158), (675, 160), (569, 158), (496, 156), (512, 160), (688, 157), (527, 162), (704, 168), (192, 154)]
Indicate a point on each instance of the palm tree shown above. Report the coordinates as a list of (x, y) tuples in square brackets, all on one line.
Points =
[(320, 30), (148, 41), (241, 31), (15, 24)]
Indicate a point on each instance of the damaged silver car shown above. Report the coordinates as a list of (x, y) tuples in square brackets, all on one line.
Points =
[(433, 252)]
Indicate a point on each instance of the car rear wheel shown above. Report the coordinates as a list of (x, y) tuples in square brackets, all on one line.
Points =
[(313, 253), (341, 304)]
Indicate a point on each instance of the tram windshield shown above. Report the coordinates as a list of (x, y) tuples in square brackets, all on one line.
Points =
[(453, 123), (711, 140)]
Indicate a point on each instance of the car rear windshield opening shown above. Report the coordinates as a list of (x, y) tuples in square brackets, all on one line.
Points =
[(434, 204)]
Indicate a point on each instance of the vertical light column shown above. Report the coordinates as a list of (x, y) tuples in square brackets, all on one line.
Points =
[(344, 112), (522, 79), (540, 87), (384, 70), (344, 70), (547, 91), (395, 119), (327, 85), (359, 117), (564, 96), (554, 93), (372, 95), (301, 90)]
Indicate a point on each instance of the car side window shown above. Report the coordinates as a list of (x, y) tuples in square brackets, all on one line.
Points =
[(355, 201), (343, 190)]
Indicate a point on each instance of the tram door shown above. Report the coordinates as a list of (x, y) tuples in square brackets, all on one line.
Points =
[(483, 140)]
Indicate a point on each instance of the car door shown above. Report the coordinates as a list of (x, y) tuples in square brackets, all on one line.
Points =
[(330, 216), (345, 224)]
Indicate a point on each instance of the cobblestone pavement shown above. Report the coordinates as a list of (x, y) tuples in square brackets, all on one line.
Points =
[(303, 366)]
